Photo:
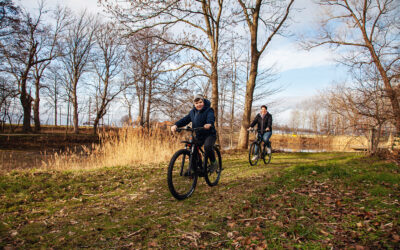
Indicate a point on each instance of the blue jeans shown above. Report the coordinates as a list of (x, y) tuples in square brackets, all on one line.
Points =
[(265, 138)]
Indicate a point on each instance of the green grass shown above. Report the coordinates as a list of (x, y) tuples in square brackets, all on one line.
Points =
[(307, 201)]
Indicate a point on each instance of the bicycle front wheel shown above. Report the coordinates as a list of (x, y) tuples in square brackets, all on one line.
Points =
[(181, 179), (253, 155), (213, 173)]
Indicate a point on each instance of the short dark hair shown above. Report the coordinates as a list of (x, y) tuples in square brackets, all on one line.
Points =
[(263, 106)]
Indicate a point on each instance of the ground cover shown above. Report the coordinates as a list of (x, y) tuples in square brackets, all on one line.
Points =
[(300, 200)]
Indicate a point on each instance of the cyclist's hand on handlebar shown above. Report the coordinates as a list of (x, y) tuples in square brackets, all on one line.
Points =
[(207, 126), (173, 128)]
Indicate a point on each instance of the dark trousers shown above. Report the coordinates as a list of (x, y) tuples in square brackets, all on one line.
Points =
[(209, 142)]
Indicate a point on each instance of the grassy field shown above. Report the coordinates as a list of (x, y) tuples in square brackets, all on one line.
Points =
[(300, 200)]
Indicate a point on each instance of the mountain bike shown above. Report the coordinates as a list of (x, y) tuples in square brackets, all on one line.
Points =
[(262, 153), (188, 164)]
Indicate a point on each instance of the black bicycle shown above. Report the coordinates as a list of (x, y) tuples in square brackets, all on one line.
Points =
[(188, 164), (260, 154)]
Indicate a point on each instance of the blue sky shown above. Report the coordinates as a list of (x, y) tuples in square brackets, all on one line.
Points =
[(308, 81), (303, 72)]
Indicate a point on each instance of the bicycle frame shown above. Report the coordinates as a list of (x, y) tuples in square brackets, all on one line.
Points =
[(259, 140), (196, 151)]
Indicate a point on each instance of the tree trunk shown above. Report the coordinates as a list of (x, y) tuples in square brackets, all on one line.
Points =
[(96, 124), (26, 102), (129, 114), (391, 93), (149, 99), (214, 95), (102, 107), (55, 110), (251, 83), (36, 105), (75, 106), (142, 102), (233, 104)]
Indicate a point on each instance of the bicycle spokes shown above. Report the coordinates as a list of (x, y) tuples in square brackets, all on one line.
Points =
[(213, 170), (181, 179), (254, 153)]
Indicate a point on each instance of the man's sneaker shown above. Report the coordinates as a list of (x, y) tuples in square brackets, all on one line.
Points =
[(213, 166), (254, 158), (269, 150)]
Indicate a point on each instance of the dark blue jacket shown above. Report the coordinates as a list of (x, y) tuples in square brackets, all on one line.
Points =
[(262, 124), (199, 118)]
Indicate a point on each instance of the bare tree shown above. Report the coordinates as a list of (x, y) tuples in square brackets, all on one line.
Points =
[(53, 90), (197, 22), (369, 32), (77, 47), (128, 98), (176, 94), (147, 56), (107, 67), (360, 107), (313, 113), (21, 53), (47, 47), (272, 18), (8, 93)]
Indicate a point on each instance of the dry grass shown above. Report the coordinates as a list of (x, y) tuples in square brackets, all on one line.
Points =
[(124, 147), (331, 143)]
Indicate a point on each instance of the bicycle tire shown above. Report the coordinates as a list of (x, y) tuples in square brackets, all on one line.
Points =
[(252, 154), (208, 175), (181, 182), (267, 157)]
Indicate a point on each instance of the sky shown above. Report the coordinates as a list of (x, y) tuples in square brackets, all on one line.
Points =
[(304, 73)]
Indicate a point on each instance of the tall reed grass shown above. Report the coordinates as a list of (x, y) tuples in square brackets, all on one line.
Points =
[(123, 147)]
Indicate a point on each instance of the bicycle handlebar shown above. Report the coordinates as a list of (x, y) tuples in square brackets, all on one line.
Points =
[(190, 129)]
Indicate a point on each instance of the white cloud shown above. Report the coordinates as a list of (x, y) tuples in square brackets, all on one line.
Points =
[(290, 56)]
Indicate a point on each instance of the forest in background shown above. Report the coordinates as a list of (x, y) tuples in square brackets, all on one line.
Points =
[(76, 69)]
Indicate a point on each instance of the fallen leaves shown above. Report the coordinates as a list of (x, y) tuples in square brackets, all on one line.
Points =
[(246, 212)]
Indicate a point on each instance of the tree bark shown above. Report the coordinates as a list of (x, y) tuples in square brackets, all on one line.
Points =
[(36, 105), (75, 105), (214, 96), (251, 83), (149, 101), (26, 102), (391, 93)]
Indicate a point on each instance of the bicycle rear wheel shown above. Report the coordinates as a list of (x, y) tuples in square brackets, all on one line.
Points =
[(267, 156), (181, 180), (253, 155), (212, 176)]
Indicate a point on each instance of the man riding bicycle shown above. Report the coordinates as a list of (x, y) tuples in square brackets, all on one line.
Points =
[(202, 115), (264, 128)]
